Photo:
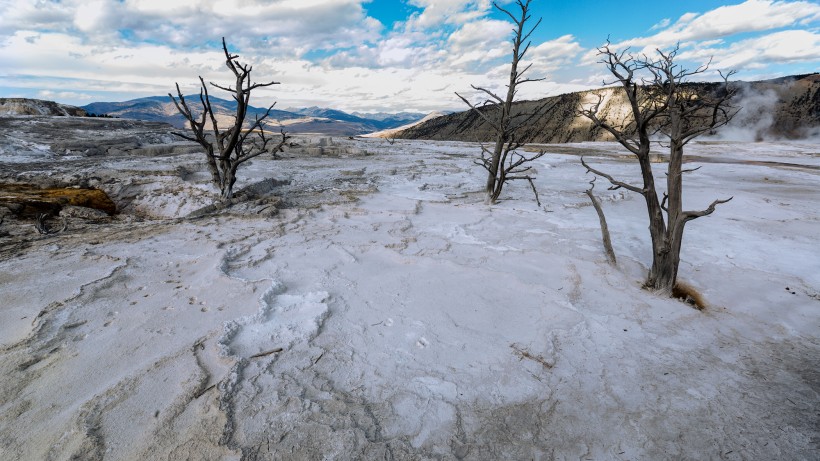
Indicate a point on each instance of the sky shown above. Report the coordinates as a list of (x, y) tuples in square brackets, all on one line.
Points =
[(378, 55)]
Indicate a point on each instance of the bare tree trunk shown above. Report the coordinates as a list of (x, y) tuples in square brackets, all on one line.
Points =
[(610, 253), (225, 149), (492, 174), (504, 163), (678, 113)]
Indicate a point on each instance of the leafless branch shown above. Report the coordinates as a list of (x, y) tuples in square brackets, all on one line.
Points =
[(690, 215), (613, 181), (226, 149)]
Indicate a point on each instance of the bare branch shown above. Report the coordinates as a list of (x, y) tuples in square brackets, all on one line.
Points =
[(619, 134), (534, 191), (690, 215), (503, 163), (691, 169), (612, 180), (226, 149), (480, 114), (490, 93)]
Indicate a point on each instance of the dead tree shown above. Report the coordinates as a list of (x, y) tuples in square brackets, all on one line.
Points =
[(662, 103), (610, 253), (226, 149), (504, 163)]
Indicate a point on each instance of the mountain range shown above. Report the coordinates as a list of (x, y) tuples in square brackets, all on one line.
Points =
[(307, 120)]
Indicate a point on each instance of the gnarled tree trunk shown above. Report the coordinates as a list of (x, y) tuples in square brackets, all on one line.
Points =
[(661, 104), (504, 163), (226, 149)]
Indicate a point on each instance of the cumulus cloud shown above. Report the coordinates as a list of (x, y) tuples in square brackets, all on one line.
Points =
[(290, 27), (779, 47), (662, 24), (437, 12), (331, 53), (58, 95), (478, 42), (749, 16), (555, 53), (776, 32)]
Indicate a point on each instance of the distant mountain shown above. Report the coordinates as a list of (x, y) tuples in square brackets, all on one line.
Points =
[(401, 117), (161, 109), (786, 107), (24, 106), (391, 132), (332, 114), (368, 122), (307, 120)]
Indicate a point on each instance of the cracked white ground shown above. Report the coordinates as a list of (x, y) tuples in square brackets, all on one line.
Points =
[(415, 322)]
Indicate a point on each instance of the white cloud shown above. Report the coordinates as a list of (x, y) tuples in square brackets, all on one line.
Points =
[(478, 43), (702, 36), (437, 12), (752, 15), (779, 47), (749, 16), (555, 53), (63, 95), (290, 27), (662, 24), (479, 33), (330, 53)]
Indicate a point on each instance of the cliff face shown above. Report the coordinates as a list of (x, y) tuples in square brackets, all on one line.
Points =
[(24, 106), (783, 108)]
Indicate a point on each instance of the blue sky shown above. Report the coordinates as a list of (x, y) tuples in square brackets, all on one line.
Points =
[(377, 55)]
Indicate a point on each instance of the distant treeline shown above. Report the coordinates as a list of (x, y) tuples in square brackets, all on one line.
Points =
[(100, 115)]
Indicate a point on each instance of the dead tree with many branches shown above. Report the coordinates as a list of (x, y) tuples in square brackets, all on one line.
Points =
[(227, 149), (662, 103), (504, 163)]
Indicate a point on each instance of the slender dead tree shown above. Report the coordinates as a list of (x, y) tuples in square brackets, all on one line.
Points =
[(610, 253), (226, 149), (662, 103), (504, 163)]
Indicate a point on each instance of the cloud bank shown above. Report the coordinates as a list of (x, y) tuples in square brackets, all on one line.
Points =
[(333, 53)]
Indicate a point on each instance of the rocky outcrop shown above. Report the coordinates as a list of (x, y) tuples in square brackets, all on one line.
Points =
[(24, 106), (29, 200), (783, 108)]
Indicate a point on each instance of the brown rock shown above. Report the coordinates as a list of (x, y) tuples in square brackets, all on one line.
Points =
[(30, 200)]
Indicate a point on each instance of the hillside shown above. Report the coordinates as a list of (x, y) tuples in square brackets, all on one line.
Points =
[(23, 106), (783, 108)]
